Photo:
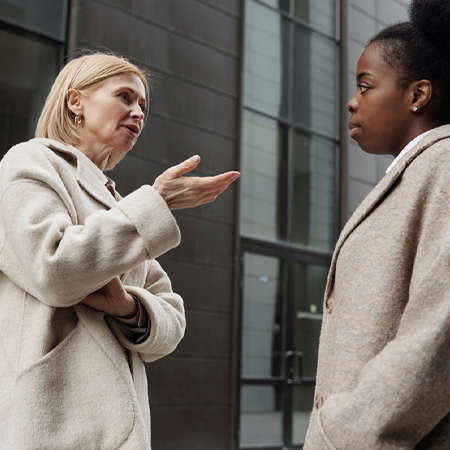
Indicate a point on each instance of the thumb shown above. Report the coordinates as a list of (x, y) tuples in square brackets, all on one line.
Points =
[(186, 166)]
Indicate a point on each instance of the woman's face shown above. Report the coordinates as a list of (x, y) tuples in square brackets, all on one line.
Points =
[(113, 115), (380, 108)]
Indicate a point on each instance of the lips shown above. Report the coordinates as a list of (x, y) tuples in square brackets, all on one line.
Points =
[(354, 128), (132, 129)]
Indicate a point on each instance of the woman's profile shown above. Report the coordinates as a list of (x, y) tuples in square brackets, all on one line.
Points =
[(84, 303), (383, 377)]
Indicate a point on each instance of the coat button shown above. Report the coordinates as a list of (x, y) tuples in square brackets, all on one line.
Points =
[(330, 304), (318, 401)]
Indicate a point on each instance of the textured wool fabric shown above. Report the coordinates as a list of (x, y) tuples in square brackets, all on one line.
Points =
[(65, 380), (383, 377)]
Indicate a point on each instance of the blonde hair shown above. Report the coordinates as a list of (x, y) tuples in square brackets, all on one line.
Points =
[(57, 121)]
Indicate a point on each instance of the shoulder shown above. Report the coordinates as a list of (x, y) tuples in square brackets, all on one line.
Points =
[(437, 155), (36, 159), (432, 164)]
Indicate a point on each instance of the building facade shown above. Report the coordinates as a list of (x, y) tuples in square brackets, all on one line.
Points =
[(254, 85)]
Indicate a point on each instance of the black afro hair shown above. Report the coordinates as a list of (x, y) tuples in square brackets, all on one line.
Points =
[(431, 17)]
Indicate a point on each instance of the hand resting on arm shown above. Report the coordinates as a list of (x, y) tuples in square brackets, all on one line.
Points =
[(112, 299)]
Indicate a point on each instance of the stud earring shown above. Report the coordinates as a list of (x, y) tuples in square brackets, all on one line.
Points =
[(77, 119), (415, 108)]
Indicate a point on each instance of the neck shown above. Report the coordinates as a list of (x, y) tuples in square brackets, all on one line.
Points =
[(98, 155), (416, 128)]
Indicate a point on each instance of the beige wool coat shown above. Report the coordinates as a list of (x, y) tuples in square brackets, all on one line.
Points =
[(66, 380), (383, 377)]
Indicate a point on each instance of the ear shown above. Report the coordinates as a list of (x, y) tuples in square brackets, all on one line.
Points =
[(421, 93), (74, 102)]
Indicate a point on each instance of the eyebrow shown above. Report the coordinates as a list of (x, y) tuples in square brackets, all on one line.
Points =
[(363, 74)]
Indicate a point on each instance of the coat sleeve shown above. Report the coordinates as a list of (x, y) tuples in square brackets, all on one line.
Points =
[(404, 392), (59, 262), (165, 312)]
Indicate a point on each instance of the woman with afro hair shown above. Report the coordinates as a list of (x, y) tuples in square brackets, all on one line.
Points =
[(383, 377)]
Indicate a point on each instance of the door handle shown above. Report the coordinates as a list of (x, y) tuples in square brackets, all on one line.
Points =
[(295, 355)]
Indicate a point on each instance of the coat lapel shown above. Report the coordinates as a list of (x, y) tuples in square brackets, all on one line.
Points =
[(90, 178), (379, 192)]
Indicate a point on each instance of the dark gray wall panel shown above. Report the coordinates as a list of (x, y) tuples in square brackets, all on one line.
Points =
[(193, 105), (208, 382), (132, 173), (207, 336), (201, 286), (197, 19), (157, 47), (126, 5), (190, 428), (204, 242), (232, 7), (171, 142)]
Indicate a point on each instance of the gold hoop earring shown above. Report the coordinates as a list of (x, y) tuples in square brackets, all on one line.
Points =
[(77, 119)]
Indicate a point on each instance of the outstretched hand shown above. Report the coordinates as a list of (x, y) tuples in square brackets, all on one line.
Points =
[(112, 299), (188, 192)]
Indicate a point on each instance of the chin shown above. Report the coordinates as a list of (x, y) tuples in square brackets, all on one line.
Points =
[(115, 159), (373, 151)]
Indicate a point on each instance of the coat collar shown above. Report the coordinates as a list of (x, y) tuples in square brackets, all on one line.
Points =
[(89, 176), (379, 191)]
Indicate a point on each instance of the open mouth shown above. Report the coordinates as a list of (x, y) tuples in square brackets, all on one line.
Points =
[(133, 130)]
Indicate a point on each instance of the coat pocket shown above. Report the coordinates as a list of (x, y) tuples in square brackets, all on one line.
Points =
[(72, 398)]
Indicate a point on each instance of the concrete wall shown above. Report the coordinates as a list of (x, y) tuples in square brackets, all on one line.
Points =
[(364, 18)]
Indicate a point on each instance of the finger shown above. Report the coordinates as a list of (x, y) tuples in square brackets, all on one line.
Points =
[(212, 182), (233, 174), (227, 177), (184, 167)]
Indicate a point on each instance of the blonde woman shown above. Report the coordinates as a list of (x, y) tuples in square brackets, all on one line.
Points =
[(83, 301)]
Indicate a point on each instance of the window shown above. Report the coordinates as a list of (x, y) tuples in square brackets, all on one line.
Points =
[(31, 45), (288, 211)]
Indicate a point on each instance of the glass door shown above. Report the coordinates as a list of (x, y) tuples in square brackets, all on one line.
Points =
[(280, 327), (262, 343)]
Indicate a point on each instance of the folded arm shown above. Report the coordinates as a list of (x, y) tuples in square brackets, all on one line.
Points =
[(166, 318), (60, 262)]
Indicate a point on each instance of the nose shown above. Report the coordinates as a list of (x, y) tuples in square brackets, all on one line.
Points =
[(137, 112), (352, 105)]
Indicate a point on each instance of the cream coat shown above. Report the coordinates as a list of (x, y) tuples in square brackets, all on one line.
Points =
[(65, 381), (383, 378)]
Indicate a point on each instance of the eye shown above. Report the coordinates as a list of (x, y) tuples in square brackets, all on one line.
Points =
[(363, 88), (126, 97)]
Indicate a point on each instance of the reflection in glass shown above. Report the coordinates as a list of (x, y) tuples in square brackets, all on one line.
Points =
[(320, 14), (260, 416), (261, 140), (315, 82), (29, 68), (266, 60), (261, 318), (47, 17), (313, 181), (303, 398), (309, 287)]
